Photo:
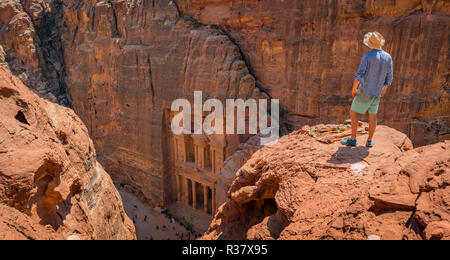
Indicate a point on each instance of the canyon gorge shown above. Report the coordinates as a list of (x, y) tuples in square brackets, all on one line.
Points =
[(119, 65)]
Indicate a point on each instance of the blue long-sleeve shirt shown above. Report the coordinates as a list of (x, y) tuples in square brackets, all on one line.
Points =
[(375, 72)]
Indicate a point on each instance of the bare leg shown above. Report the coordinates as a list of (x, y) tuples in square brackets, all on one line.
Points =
[(372, 125), (355, 123)]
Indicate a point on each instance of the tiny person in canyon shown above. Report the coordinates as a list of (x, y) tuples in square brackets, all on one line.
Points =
[(374, 76)]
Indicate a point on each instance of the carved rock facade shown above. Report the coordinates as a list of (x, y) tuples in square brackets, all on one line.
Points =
[(126, 62)]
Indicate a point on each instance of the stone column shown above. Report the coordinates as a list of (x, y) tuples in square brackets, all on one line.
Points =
[(213, 160), (186, 191), (180, 148), (217, 157), (213, 204), (196, 154), (201, 156), (178, 188), (194, 195), (205, 198), (200, 143)]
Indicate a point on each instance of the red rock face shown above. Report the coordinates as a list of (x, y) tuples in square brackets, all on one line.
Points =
[(30, 36), (125, 65), (14, 225), (438, 231), (49, 173), (306, 53), (122, 64), (302, 189)]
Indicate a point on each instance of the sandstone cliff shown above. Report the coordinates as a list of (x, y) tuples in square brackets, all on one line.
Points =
[(51, 185), (302, 189), (30, 39), (14, 225), (126, 62), (306, 53), (120, 64)]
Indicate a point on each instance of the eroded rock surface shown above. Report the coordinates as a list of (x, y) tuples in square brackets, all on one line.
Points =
[(126, 62), (302, 189), (30, 36), (121, 63), (232, 165), (306, 53), (14, 225), (438, 231), (49, 173)]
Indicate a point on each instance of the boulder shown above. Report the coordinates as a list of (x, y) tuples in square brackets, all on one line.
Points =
[(300, 188), (14, 225), (49, 172), (438, 231)]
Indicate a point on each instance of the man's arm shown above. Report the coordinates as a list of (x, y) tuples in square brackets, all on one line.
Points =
[(360, 75), (385, 89), (355, 88), (389, 79)]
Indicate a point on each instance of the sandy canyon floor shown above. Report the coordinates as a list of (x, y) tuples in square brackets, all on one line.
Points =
[(163, 224)]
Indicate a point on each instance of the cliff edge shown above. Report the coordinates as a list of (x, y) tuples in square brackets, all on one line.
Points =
[(302, 189)]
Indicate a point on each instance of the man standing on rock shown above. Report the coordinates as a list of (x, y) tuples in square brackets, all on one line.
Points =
[(372, 80)]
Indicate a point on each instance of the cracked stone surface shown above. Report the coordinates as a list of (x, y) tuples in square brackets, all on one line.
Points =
[(51, 185), (300, 188)]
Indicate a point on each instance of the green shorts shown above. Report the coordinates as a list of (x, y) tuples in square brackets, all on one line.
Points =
[(363, 103)]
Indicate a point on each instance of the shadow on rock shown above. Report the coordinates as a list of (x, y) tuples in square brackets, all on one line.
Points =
[(348, 154)]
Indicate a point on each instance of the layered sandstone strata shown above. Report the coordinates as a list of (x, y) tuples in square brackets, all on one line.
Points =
[(306, 53), (232, 165), (126, 61), (14, 225), (123, 62), (51, 185), (30, 39), (302, 189)]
